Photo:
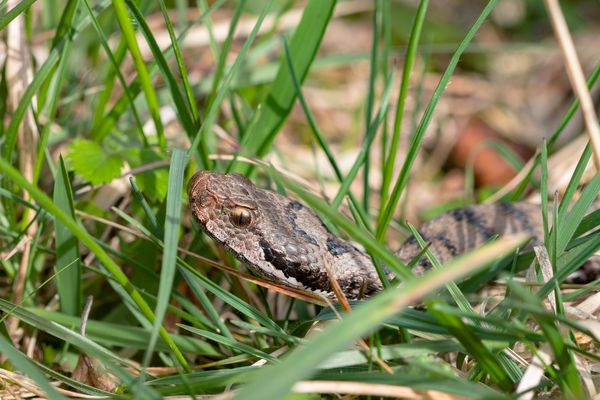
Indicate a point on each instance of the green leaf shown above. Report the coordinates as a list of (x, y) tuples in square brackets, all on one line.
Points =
[(93, 163)]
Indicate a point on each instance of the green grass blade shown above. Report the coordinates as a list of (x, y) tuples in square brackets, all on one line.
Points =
[(276, 381), (224, 52), (24, 364), (60, 37), (68, 282), (417, 140), (473, 345), (362, 155), (224, 89), (409, 61), (54, 90), (119, 335), (232, 300), (568, 376), (574, 181), (14, 12), (114, 61), (230, 343), (357, 211), (171, 239), (568, 227), (198, 289), (191, 101), (373, 68), (183, 111), (46, 203), (143, 75), (281, 96)]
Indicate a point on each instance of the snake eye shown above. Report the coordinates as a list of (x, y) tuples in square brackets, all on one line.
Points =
[(241, 217)]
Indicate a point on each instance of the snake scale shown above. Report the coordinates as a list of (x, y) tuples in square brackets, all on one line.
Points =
[(286, 242)]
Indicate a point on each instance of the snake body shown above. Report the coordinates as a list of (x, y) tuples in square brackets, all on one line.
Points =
[(286, 242)]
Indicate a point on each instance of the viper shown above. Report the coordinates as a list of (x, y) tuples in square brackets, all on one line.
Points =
[(284, 241)]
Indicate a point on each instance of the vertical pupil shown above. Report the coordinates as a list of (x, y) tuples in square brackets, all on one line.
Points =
[(240, 217)]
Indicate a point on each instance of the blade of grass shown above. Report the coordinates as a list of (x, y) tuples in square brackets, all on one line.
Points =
[(281, 96), (568, 225), (144, 77), (191, 101), (46, 203), (24, 364), (15, 12), (370, 99), (224, 52), (568, 377), (115, 61), (224, 89), (409, 60), (370, 136), (68, 282), (10, 138), (276, 381), (574, 181), (171, 239), (357, 211), (119, 335), (386, 216), (181, 106), (230, 343), (474, 346)]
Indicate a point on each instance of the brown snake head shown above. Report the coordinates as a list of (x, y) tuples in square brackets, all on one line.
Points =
[(277, 237)]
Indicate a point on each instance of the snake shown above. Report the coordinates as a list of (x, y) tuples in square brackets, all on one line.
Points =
[(284, 241)]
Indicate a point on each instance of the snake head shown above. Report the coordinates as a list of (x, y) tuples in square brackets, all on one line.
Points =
[(222, 202), (275, 236)]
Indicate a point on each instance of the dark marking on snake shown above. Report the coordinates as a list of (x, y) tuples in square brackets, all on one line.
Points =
[(293, 269), (472, 219), (337, 247), (447, 243), (291, 209), (520, 216)]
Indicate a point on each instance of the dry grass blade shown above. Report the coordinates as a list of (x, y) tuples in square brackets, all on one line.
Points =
[(576, 76), (370, 389), (542, 256), (534, 373), (19, 74)]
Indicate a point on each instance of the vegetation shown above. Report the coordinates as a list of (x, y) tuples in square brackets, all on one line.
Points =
[(108, 109)]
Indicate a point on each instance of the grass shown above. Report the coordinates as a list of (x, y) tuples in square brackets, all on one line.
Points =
[(164, 323)]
